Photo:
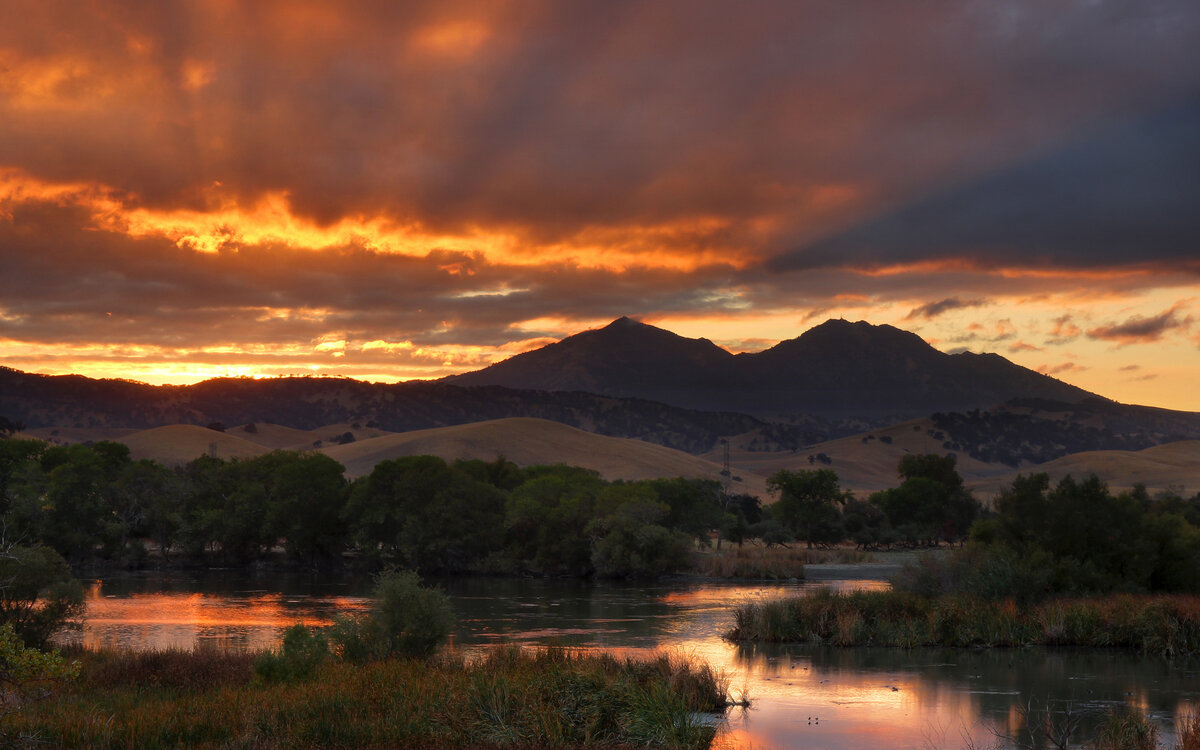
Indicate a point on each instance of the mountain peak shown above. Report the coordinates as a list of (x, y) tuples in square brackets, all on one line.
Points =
[(838, 367), (624, 358)]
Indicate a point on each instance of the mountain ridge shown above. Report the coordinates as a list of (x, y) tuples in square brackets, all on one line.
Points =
[(838, 368), (837, 379)]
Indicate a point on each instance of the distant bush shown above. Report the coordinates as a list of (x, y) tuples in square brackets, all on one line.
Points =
[(407, 619), (297, 658)]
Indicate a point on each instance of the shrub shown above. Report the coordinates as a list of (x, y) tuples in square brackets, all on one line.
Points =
[(408, 619), (298, 657), (27, 674), (38, 594)]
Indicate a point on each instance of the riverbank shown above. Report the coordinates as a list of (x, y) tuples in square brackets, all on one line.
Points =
[(1167, 625), (513, 698), (754, 561)]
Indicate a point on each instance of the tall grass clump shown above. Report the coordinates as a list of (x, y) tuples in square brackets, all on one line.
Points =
[(1126, 730), (169, 668), (1166, 625), (1187, 731), (514, 698)]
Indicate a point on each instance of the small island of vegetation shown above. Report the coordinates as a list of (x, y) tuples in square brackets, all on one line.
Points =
[(1072, 565)]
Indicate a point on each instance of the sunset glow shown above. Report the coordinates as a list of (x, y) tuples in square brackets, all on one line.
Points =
[(352, 190)]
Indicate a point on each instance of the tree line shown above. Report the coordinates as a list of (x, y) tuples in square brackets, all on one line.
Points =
[(94, 502)]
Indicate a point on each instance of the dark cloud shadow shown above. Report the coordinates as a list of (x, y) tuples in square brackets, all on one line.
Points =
[(1125, 197)]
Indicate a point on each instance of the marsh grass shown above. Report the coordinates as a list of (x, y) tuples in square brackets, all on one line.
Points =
[(1126, 730), (510, 698), (756, 561), (1187, 731), (1167, 625)]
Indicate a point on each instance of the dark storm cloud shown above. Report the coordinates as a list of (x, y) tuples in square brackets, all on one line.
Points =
[(1142, 330), (1125, 197), (547, 117), (934, 309), (704, 131)]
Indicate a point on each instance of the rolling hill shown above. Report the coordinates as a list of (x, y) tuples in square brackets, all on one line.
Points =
[(536, 441), (177, 444), (1170, 466)]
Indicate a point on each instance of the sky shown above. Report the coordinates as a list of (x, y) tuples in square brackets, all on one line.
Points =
[(390, 191)]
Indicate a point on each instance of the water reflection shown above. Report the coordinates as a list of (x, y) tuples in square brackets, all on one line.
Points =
[(801, 696), (235, 613), (950, 697)]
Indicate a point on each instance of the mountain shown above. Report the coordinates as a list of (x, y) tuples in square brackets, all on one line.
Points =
[(837, 370), (632, 380), (624, 359)]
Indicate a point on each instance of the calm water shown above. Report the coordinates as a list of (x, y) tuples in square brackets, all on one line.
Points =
[(801, 697)]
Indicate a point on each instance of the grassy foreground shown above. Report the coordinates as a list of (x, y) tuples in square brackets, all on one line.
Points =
[(512, 698), (1158, 624)]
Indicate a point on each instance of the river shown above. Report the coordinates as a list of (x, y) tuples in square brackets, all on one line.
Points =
[(800, 696)]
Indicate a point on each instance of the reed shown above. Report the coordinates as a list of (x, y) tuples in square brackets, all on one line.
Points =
[(1168, 625), (1187, 731), (1126, 730), (511, 698)]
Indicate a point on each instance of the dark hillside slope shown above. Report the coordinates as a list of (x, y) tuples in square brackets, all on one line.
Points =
[(625, 358), (308, 403), (839, 370)]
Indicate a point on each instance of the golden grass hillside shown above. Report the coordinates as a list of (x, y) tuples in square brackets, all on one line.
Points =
[(178, 444), (1170, 466), (527, 441), (864, 463), (273, 436), (71, 435)]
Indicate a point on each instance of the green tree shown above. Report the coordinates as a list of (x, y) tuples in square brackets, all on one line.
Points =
[(15, 456), (73, 509), (500, 473), (693, 505), (422, 512), (628, 541), (227, 505), (38, 594), (809, 504), (145, 502), (545, 518), (931, 504), (308, 491)]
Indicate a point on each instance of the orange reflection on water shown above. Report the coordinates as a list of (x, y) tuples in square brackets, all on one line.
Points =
[(725, 596), (183, 619)]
